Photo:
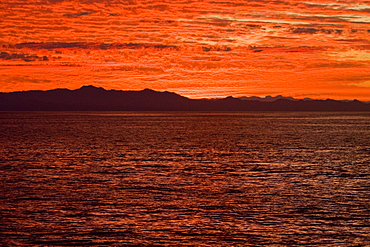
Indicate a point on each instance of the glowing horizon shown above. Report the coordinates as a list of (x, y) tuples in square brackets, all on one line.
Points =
[(302, 49)]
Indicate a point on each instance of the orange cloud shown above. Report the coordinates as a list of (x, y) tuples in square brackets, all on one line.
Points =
[(217, 48)]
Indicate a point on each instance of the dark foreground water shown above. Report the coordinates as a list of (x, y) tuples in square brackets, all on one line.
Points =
[(185, 179)]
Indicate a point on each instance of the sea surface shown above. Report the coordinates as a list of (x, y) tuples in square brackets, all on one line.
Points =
[(184, 179)]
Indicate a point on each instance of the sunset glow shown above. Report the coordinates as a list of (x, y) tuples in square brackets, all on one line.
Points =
[(210, 48)]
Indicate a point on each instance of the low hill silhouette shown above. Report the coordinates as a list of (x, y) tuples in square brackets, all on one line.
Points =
[(90, 98)]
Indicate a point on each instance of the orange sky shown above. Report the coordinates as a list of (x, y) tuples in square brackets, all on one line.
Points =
[(210, 48)]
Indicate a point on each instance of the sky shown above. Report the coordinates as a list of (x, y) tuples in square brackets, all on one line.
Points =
[(210, 48)]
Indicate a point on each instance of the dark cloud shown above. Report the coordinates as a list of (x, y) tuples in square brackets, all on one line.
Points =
[(164, 46), (24, 57), (85, 45), (335, 65), (329, 19), (252, 26), (316, 30), (213, 48), (219, 22), (353, 40), (305, 30), (54, 1), (281, 38), (161, 7), (75, 15)]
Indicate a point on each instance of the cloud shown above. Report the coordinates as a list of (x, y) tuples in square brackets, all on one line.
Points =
[(364, 84), (316, 30), (219, 22), (252, 26), (277, 21), (258, 42), (86, 45), (332, 18), (75, 15), (54, 1), (20, 56), (352, 55), (126, 2), (305, 30), (360, 8), (354, 40), (340, 6), (15, 79), (160, 7), (335, 65)]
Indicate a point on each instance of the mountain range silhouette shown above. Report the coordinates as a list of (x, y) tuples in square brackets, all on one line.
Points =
[(90, 98)]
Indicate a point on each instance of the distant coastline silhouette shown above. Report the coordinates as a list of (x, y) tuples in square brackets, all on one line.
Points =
[(91, 98)]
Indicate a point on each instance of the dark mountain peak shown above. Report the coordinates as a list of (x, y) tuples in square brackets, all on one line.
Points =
[(230, 98), (90, 88), (148, 90), (267, 98)]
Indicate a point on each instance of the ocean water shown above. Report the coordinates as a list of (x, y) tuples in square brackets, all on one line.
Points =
[(184, 179)]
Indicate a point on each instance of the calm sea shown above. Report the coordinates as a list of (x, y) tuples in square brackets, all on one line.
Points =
[(184, 179)]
